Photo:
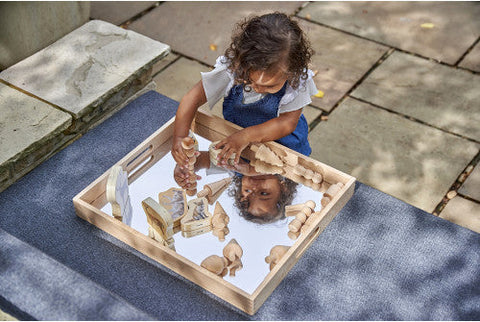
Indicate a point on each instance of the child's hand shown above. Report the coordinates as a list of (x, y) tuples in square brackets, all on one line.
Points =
[(178, 152), (235, 143), (181, 177)]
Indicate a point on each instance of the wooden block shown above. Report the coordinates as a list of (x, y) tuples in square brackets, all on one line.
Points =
[(266, 168), (290, 159), (159, 220), (117, 194), (197, 215), (293, 210), (174, 200), (317, 178)]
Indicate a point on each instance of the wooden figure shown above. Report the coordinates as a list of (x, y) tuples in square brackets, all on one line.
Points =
[(213, 154), (333, 190), (232, 251), (235, 266), (301, 216), (293, 235), (265, 154), (220, 221), (265, 168), (188, 144), (295, 225), (160, 221), (317, 178), (212, 191), (197, 217), (215, 264), (174, 201), (330, 193), (118, 196), (276, 254), (290, 159), (293, 210)]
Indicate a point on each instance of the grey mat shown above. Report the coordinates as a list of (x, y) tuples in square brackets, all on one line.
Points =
[(379, 259)]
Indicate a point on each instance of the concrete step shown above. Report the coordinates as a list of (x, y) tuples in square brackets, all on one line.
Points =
[(52, 97), (40, 288)]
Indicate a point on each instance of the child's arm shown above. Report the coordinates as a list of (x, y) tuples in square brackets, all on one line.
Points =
[(271, 130), (183, 120)]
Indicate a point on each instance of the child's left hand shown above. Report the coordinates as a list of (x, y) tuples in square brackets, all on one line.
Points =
[(234, 143)]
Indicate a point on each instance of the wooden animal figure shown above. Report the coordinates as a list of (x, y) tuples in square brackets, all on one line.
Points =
[(215, 264), (118, 196), (220, 221), (212, 191), (233, 253), (197, 217), (276, 254), (160, 221), (265, 154), (174, 201), (213, 154)]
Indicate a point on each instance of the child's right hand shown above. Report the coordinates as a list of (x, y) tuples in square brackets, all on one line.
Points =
[(178, 152)]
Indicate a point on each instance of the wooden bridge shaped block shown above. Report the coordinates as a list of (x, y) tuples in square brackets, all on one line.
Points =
[(197, 216), (159, 219)]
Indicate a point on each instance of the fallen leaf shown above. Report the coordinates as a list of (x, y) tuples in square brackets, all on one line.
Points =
[(324, 117), (319, 94), (427, 25), (213, 47)]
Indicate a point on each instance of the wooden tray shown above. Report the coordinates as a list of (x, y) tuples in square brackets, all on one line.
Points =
[(93, 198)]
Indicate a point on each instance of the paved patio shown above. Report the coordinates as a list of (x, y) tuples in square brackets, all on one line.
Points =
[(401, 82)]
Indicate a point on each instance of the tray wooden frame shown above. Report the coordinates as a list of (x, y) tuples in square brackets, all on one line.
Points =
[(89, 202)]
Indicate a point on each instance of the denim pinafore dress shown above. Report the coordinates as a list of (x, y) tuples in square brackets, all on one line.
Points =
[(245, 115)]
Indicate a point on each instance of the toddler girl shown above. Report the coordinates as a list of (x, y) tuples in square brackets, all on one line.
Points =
[(265, 81)]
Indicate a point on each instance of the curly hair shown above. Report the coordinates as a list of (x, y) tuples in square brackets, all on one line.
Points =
[(265, 42), (287, 195)]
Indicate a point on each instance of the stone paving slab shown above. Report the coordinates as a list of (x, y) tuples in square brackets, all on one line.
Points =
[(341, 61), (439, 95), (463, 212), (455, 24), (27, 128), (408, 160), (207, 22), (472, 59), (82, 69), (117, 12), (471, 186)]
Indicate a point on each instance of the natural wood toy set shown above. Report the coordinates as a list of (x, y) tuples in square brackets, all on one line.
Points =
[(271, 158)]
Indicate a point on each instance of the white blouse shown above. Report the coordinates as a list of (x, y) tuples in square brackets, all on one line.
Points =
[(218, 82)]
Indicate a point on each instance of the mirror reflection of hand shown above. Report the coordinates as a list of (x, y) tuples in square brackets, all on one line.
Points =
[(233, 144), (180, 174)]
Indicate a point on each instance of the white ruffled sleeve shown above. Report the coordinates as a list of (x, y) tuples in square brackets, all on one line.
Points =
[(217, 82), (295, 99)]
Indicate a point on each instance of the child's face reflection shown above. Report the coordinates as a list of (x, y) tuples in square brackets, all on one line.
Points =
[(263, 193)]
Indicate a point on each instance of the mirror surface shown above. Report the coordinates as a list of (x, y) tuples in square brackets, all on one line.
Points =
[(256, 239)]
